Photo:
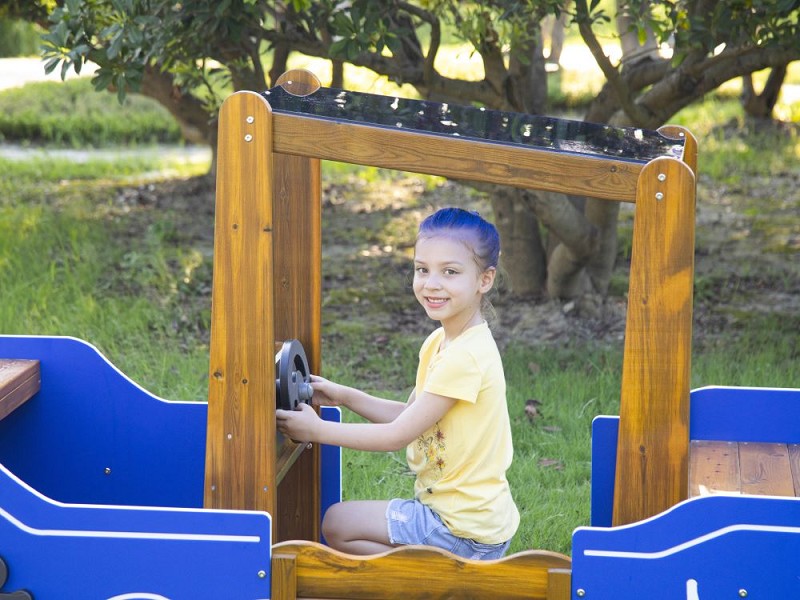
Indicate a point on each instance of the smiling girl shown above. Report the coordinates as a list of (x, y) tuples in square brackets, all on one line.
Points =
[(454, 425)]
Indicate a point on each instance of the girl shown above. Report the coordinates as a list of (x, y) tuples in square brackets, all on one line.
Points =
[(454, 425)]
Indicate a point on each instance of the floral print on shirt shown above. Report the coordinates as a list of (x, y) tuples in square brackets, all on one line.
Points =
[(434, 449)]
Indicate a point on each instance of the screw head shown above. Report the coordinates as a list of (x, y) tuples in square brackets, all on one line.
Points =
[(250, 119), (580, 592), (659, 195), (742, 593), (262, 574), (248, 138), (662, 177)]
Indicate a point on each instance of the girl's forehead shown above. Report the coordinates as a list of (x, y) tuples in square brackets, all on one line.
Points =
[(443, 247)]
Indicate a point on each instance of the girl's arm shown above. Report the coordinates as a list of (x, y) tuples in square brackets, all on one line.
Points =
[(372, 408), (418, 416)]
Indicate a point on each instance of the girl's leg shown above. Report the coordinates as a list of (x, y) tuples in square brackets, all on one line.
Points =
[(357, 527)]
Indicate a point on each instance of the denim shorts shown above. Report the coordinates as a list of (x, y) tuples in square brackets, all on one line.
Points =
[(412, 522)]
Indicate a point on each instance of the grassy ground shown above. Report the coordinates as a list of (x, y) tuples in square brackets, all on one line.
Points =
[(108, 251)]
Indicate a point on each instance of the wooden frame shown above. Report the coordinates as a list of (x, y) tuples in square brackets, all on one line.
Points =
[(267, 288)]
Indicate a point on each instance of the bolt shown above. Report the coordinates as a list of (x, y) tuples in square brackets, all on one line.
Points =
[(662, 177), (262, 574), (230, 436), (580, 592), (250, 119), (309, 446), (742, 593), (248, 138), (659, 195), (107, 470)]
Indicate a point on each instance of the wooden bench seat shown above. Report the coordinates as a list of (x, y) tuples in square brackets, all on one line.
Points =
[(19, 380), (765, 469), (311, 570)]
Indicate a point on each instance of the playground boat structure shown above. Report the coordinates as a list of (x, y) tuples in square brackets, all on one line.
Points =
[(109, 492)]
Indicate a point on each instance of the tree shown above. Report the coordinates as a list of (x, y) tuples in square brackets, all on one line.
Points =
[(184, 55)]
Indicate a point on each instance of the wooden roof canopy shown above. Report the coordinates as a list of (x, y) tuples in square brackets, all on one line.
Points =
[(267, 268)]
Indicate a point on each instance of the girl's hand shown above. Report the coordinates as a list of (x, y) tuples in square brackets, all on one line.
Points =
[(299, 425), (326, 392)]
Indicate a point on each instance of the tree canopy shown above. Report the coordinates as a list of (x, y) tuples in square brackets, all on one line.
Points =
[(188, 56)]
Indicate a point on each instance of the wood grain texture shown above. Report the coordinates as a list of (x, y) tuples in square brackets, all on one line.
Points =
[(598, 177), (713, 468), (19, 381), (297, 291), (653, 447), (417, 572), (765, 469), (240, 446)]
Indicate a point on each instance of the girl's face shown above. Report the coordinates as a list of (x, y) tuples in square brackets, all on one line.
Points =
[(448, 282)]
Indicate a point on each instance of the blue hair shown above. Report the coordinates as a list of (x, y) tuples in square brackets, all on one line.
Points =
[(471, 228)]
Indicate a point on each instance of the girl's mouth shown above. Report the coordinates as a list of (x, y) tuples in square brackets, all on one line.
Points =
[(435, 302)]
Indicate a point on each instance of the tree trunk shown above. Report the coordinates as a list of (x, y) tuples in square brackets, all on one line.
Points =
[(192, 117), (523, 257), (761, 105)]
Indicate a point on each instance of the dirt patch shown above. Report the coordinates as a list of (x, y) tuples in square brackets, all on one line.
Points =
[(747, 263)]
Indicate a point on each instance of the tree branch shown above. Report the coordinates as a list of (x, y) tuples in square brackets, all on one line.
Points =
[(612, 74)]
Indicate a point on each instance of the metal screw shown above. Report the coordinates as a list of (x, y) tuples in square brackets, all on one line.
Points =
[(107, 470), (309, 446), (250, 119), (580, 592), (248, 138), (230, 436), (659, 195), (742, 593), (662, 177), (262, 574)]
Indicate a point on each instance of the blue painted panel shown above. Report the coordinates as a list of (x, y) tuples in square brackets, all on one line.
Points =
[(745, 414), (605, 432), (330, 466), (54, 550), (704, 548), (92, 436)]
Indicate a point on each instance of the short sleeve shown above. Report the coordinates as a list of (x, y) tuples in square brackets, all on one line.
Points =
[(455, 373)]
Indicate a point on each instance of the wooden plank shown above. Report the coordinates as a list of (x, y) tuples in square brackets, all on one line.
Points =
[(284, 577), (794, 461), (765, 469), (559, 584), (653, 448), (240, 446), (597, 177), (417, 572), (713, 468), (297, 215), (19, 381)]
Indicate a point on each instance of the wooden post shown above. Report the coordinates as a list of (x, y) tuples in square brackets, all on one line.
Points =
[(298, 314), (240, 447), (652, 452)]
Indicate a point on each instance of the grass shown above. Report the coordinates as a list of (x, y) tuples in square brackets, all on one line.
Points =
[(79, 257), (72, 114)]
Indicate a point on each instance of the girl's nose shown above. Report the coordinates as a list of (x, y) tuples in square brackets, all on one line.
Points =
[(432, 282)]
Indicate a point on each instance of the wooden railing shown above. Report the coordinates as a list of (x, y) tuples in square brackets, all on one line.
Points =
[(311, 570)]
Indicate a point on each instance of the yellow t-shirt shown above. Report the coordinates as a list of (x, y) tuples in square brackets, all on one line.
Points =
[(461, 462)]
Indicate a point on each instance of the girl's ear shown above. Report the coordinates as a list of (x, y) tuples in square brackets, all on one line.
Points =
[(487, 279)]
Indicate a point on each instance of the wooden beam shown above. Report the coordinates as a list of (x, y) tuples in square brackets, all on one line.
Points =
[(240, 447), (568, 173), (653, 447)]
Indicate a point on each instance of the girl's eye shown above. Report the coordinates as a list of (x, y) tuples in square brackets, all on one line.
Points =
[(421, 270), (450, 272)]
